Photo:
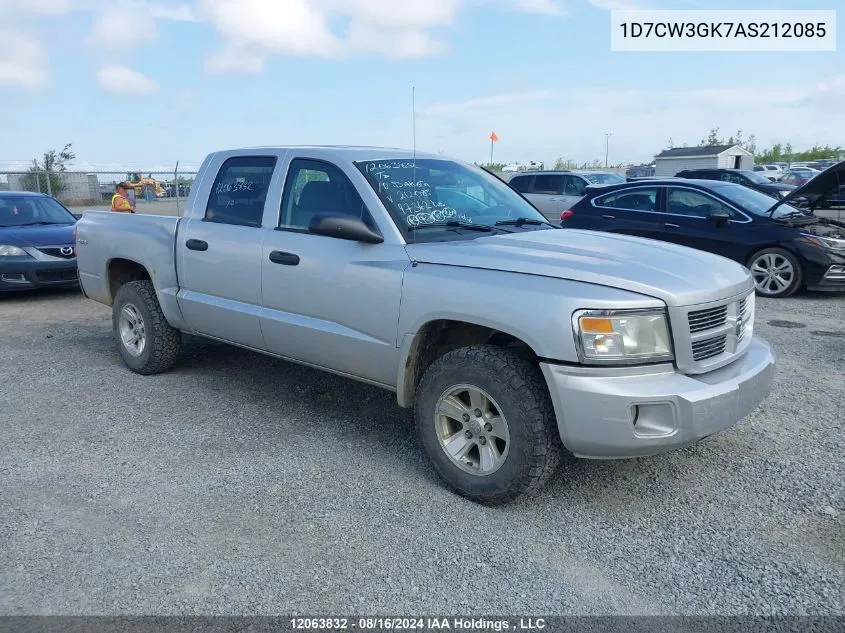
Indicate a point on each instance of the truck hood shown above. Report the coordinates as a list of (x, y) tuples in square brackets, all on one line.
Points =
[(37, 235), (677, 275)]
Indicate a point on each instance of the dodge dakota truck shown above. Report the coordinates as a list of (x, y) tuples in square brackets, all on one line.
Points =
[(514, 341)]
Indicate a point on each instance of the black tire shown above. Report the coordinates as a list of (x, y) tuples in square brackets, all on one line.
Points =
[(517, 386), (163, 342), (797, 280)]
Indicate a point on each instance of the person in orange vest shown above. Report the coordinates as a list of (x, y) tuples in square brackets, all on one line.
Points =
[(120, 201)]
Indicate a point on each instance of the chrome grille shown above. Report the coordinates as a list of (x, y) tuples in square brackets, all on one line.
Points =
[(709, 347), (700, 320), (710, 335)]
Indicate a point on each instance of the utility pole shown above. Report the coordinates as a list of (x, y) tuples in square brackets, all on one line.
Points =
[(607, 136)]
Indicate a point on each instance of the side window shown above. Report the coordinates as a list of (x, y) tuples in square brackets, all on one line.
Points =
[(573, 186), (240, 190), (522, 184), (313, 188), (548, 184), (641, 199), (693, 203)]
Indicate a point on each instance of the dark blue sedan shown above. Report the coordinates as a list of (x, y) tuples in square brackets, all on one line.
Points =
[(784, 247), (37, 242)]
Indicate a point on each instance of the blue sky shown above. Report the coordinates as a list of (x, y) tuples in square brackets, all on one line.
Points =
[(136, 82)]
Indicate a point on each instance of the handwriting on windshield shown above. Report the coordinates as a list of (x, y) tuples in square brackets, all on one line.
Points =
[(414, 198)]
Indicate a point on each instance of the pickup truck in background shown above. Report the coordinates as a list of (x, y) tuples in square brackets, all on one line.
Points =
[(513, 340)]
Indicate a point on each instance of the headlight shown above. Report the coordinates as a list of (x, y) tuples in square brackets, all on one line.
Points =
[(622, 336), (11, 251), (827, 242)]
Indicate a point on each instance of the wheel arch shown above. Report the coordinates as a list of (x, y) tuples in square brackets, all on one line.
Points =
[(439, 336), (121, 270)]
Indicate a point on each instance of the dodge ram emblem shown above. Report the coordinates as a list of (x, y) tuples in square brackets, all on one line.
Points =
[(66, 250), (738, 330)]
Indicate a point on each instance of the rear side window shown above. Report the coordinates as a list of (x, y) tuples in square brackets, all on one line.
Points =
[(240, 190), (642, 199), (548, 184), (522, 184)]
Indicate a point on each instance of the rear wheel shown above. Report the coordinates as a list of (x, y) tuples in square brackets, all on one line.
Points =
[(147, 343), (485, 419), (777, 272)]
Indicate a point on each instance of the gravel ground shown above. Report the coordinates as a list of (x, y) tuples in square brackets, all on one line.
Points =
[(240, 484)]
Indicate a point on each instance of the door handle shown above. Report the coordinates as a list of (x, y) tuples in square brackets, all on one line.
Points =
[(609, 217), (671, 226), (286, 259), (197, 245)]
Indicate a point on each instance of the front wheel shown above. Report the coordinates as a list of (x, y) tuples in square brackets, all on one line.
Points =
[(146, 342), (776, 272), (486, 421)]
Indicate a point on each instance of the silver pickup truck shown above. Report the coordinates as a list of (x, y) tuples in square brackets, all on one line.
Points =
[(513, 339)]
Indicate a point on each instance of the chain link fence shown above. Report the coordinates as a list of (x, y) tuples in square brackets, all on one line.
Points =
[(153, 191)]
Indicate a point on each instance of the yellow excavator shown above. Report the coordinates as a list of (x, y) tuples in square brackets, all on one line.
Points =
[(141, 184)]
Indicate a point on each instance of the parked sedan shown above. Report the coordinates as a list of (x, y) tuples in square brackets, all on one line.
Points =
[(785, 248), (37, 242), (743, 177), (553, 191), (798, 176)]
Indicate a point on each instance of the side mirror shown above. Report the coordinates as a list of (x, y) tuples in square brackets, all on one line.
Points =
[(720, 218), (344, 227)]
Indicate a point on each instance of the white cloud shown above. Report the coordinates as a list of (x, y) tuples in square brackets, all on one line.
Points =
[(22, 60), (125, 81), (615, 5), (547, 7), (233, 60), (174, 12), (38, 7), (123, 24), (544, 125)]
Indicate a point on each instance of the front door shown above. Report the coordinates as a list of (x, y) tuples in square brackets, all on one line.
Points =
[(219, 263), (687, 223), (330, 302)]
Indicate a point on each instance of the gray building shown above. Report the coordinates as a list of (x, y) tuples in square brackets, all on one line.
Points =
[(670, 161)]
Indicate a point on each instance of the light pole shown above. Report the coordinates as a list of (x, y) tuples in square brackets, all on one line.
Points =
[(607, 136)]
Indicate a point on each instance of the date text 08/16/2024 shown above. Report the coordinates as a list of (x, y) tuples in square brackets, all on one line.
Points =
[(418, 624)]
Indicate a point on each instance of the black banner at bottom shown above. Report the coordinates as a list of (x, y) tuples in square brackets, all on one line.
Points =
[(419, 624)]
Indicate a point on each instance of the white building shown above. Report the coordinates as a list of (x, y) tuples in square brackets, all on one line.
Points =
[(670, 161)]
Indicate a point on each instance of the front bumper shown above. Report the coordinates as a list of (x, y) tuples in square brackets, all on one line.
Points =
[(621, 413), (26, 273)]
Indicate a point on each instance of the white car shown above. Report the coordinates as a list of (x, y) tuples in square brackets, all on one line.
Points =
[(772, 172)]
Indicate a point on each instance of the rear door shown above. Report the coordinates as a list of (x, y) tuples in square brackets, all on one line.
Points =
[(687, 223), (547, 195), (220, 251), (632, 211)]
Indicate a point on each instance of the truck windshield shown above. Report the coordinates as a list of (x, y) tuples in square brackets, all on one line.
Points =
[(32, 210), (437, 192)]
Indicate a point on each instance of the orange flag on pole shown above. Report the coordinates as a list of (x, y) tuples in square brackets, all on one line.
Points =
[(493, 137)]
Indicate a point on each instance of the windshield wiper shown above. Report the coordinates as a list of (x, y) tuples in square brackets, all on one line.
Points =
[(39, 222), (453, 224), (521, 221)]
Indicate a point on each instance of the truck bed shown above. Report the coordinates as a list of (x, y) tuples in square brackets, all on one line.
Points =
[(104, 237)]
